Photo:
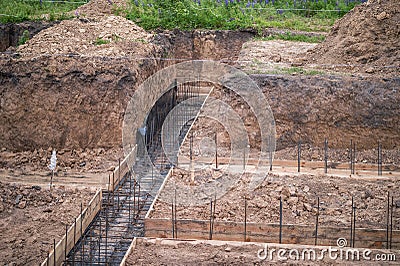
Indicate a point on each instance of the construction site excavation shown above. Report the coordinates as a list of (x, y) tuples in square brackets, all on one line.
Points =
[(126, 146)]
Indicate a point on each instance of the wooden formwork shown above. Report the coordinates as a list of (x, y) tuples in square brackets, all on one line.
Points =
[(75, 231)]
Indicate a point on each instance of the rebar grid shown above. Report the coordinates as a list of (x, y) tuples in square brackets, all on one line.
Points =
[(121, 218)]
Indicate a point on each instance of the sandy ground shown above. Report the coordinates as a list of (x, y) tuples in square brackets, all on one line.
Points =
[(192, 252)]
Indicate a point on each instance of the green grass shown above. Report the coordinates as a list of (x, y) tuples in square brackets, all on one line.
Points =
[(100, 41), (187, 14), (22, 10), (24, 37), (293, 37)]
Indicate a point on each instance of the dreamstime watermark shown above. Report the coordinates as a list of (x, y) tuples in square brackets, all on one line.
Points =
[(340, 252)]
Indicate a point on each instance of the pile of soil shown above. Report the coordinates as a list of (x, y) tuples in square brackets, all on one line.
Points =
[(32, 216), (98, 8), (366, 39), (103, 36)]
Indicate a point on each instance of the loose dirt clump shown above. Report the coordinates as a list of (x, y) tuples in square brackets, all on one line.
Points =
[(366, 40), (32, 216)]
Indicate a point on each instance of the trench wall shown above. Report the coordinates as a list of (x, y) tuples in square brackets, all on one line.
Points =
[(79, 102)]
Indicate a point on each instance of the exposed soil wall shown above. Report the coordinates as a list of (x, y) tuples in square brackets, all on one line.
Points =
[(77, 98), (312, 108), (10, 33), (66, 102), (80, 103), (73, 101), (211, 45)]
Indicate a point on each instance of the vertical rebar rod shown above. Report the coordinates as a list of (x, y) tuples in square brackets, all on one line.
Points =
[(113, 185), (245, 219), (134, 197), (351, 221), (191, 147), (82, 244), (391, 225), (216, 150), (316, 223), (280, 221), (118, 200), (106, 239), (354, 159), (172, 220), (129, 198), (270, 151), (351, 157), (119, 170), (298, 156), (54, 252), (387, 220), (100, 233), (354, 225), (48, 258), (73, 253), (211, 214), (326, 155), (138, 200), (66, 242), (175, 218), (379, 159), (244, 158)]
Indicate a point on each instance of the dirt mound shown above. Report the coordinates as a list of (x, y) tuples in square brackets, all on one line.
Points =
[(96, 8), (366, 40), (106, 36)]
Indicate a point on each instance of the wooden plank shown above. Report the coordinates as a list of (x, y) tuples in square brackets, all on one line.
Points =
[(122, 169)]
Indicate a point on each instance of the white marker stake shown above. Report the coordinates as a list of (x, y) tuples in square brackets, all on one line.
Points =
[(52, 166)]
